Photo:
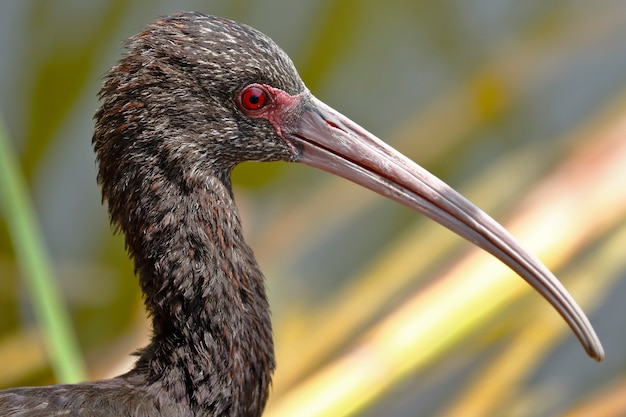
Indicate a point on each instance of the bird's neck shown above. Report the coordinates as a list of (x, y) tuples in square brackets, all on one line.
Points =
[(212, 342)]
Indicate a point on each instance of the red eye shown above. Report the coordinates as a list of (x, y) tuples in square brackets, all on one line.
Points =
[(253, 97)]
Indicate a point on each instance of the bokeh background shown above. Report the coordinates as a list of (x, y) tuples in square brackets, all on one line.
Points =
[(520, 105)]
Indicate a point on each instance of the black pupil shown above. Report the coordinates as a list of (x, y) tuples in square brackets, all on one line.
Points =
[(254, 98)]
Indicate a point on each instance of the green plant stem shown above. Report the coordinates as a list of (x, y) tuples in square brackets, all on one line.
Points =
[(35, 265)]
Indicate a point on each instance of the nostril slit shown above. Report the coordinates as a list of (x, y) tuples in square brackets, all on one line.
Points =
[(332, 124)]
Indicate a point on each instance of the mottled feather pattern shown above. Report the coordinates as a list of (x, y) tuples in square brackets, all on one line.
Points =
[(167, 136)]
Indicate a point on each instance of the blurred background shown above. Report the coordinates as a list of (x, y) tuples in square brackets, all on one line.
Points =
[(521, 106)]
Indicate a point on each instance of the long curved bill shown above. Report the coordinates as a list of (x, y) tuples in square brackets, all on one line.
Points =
[(332, 142)]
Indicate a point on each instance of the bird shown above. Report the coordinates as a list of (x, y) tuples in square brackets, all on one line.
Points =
[(192, 97)]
